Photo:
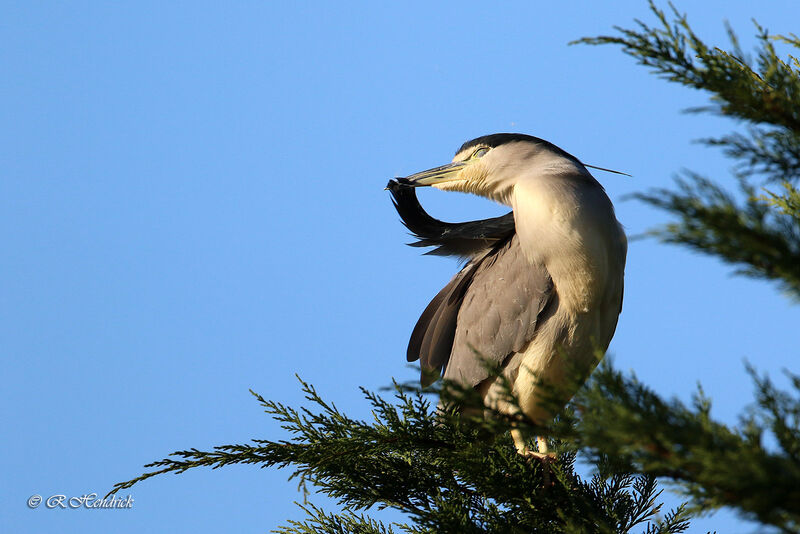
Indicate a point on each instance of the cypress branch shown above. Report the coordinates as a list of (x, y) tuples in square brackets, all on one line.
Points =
[(765, 94), (447, 473), (762, 242), (712, 464)]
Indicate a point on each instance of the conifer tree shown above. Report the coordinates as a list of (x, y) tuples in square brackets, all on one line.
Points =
[(460, 474)]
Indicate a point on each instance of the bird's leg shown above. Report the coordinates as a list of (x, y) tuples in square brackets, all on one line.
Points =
[(519, 442), (542, 452), (541, 444)]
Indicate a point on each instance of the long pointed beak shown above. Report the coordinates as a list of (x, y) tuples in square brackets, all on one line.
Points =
[(437, 175)]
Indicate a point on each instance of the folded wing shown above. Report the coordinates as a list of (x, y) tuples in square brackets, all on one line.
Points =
[(489, 310)]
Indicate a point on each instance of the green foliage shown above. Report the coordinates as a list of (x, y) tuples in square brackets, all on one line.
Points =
[(788, 202), (447, 473), (761, 241), (764, 94), (711, 463)]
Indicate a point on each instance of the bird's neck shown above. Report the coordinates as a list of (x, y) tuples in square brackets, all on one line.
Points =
[(557, 230)]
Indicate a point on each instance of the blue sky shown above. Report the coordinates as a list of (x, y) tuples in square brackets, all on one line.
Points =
[(192, 202)]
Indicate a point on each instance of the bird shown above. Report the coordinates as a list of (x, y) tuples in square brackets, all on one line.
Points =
[(541, 290)]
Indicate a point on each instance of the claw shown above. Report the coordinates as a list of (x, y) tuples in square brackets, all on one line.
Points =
[(542, 455)]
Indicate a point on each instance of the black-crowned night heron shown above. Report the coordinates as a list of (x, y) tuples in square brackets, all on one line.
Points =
[(542, 288)]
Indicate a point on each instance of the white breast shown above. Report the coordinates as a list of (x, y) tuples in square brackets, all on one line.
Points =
[(568, 225)]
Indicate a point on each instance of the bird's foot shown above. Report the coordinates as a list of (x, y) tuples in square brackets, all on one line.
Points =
[(546, 459)]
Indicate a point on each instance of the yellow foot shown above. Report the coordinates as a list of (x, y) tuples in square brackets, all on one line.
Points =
[(544, 457)]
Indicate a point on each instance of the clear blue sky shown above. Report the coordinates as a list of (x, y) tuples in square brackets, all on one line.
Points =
[(192, 205)]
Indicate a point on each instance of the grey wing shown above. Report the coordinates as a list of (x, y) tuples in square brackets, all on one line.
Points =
[(432, 339), (499, 312)]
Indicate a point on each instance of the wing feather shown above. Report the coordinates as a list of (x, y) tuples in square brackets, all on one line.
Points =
[(465, 239), (432, 338), (490, 310), (500, 312)]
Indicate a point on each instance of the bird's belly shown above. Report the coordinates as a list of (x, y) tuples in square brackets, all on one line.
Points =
[(557, 361)]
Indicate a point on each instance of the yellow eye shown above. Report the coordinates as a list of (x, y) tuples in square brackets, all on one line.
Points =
[(480, 152)]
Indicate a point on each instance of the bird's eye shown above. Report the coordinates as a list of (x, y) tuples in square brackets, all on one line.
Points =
[(479, 153)]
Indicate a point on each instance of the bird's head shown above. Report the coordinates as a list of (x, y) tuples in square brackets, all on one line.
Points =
[(491, 165)]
